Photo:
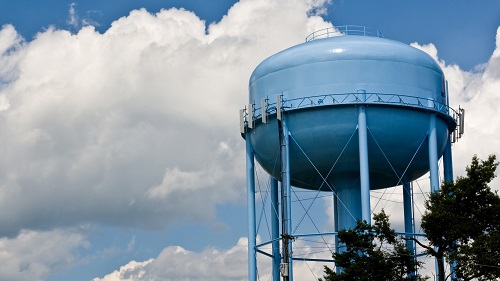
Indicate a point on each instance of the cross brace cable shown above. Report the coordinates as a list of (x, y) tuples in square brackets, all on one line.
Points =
[(264, 200), (390, 164), (319, 173)]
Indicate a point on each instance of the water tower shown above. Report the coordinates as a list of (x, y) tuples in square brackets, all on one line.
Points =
[(347, 112)]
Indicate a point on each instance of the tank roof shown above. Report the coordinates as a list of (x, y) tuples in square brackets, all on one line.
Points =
[(346, 47)]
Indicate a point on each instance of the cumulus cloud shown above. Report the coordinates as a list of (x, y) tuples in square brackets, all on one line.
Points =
[(209, 264), (11, 44), (35, 255), (135, 127), (476, 92), (75, 22)]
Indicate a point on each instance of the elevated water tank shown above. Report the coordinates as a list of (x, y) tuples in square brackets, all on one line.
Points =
[(347, 112), (321, 83)]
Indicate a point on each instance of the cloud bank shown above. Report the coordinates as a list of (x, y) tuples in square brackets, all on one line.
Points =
[(33, 255), (477, 92), (211, 265), (136, 127)]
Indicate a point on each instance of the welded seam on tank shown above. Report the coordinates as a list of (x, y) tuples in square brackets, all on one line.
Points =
[(321, 175)]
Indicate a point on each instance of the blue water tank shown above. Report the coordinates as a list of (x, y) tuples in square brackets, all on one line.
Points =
[(321, 83)]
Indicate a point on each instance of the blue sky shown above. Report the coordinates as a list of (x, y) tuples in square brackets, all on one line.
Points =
[(455, 27), (121, 141)]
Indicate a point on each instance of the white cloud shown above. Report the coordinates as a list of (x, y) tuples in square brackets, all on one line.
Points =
[(135, 127), (75, 22), (73, 19), (210, 264), (478, 93), (10, 51), (131, 244), (177, 263), (35, 255)]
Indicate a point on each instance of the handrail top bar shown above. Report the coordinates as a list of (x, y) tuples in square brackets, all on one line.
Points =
[(344, 30)]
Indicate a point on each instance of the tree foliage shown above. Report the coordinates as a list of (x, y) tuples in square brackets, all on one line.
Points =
[(372, 252), (462, 223)]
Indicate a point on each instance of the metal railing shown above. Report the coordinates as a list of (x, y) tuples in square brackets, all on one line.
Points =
[(250, 115), (356, 98), (344, 30), (265, 250)]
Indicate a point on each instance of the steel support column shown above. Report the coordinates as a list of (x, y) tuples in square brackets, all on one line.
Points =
[(448, 162), (275, 231), (408, 215), (250, 170), (433, 163), (433, 154), (364, 171), (286, 199), (336, 226)]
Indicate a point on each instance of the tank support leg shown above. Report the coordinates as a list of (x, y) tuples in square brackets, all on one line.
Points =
[(433, 154), (448, 162), (336, 226), (433, 167), (408, 216), (250, 169), (363, 165), (286, 189), (275, 231)]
